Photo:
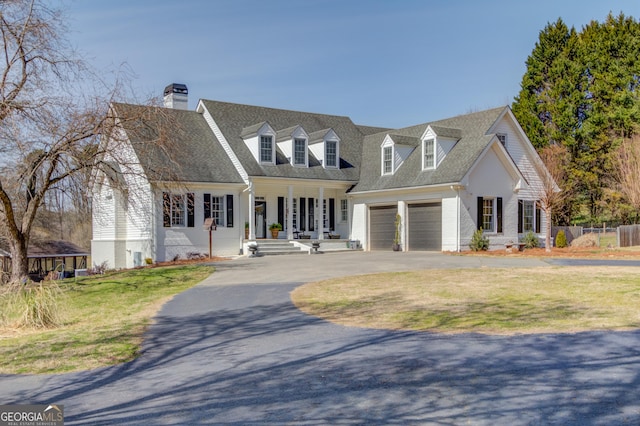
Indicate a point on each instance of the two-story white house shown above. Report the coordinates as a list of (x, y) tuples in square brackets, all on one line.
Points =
[(317, 175)]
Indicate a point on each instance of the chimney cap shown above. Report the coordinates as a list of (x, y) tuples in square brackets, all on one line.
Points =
[(176, 88)]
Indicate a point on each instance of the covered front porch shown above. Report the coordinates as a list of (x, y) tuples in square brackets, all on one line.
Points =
[(296, 210)]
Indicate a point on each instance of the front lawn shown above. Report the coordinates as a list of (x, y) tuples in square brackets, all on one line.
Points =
[(498, 301), (103, 320)]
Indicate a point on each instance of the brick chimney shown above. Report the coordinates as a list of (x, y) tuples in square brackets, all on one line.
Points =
[(176, 96)]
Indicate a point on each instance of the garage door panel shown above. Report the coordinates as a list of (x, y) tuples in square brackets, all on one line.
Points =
[(382, 227), (425, 226)]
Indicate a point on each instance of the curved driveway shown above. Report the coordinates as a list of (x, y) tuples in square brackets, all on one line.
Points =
[(234, 350)]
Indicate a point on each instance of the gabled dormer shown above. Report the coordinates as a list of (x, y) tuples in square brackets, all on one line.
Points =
[(394, 150), (260, 139), (436, 143), (294, 142), (325, 146)]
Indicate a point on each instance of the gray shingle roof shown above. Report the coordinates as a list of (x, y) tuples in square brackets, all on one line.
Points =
[(404, 140), (447, 132), (195, 154), (176, 145), (473, 140), (232, 118)]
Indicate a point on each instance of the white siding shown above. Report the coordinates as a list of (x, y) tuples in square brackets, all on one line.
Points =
[(179, 241), (359, 223), (491, 179), (521, 151)]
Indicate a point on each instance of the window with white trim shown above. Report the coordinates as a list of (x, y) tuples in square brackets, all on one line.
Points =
[(178, 207), (295, 214), (529, 216), (299, 152), (344, 210), (387, 160), (266, 149), (502, 137), (429, 154), (487, 215), (331, 154), (178, 210), (218, 210)]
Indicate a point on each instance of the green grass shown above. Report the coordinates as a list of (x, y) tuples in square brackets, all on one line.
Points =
[(492, 301), (103, 320)]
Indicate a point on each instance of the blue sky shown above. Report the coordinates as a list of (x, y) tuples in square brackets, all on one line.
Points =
[(388, 63)]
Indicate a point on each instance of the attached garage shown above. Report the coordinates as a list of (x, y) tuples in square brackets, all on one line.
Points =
[(425, 226), (382, 227)]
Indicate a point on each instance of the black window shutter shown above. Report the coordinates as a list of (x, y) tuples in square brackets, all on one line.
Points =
[(539, 218), (190, 212), (281, 211), (520, 213), (303, 215), (499, 213), (207, 206), (229, 210), (311, 218), (479, 212), (332, 214), (166, 209)]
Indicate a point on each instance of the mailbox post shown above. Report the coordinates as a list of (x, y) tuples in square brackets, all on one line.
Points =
[(210, 225)]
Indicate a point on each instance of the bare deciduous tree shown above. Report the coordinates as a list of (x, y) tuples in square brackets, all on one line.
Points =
[(626, 170), (50, 126), (550, 193)]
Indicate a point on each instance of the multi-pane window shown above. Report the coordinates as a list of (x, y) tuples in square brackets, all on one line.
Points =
[(344, 210), (325, 218), (217, 209), (295, 214), (266, 149), (528, 218), (331, 154), (177, 210), (502, 137), (429, 154), (487, 215), (299, 152), (387, 159)]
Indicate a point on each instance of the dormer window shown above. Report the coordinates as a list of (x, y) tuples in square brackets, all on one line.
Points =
[(266, 149), (325, 147), (331, 154), (429, 149), (299, 152), (387, 160)]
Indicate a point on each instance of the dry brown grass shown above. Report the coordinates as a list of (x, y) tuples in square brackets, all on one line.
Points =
[(496, 301)]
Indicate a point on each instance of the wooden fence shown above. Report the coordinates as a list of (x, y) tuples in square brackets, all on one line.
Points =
[(628, 235)]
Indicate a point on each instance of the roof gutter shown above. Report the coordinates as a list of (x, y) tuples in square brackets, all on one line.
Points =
[(457, 185)]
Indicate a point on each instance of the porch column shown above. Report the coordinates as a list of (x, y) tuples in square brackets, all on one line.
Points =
[(252, 213), (289, 212), (320, 214)]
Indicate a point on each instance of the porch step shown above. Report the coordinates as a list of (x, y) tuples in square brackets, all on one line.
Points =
[(278, 247)]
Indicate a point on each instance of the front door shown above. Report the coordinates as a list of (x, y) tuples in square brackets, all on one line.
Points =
[(261, 219)]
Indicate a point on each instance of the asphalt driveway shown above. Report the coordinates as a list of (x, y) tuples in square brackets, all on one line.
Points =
[(234, 350)]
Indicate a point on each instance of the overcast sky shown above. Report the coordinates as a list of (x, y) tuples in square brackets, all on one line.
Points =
[(388, 63)]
